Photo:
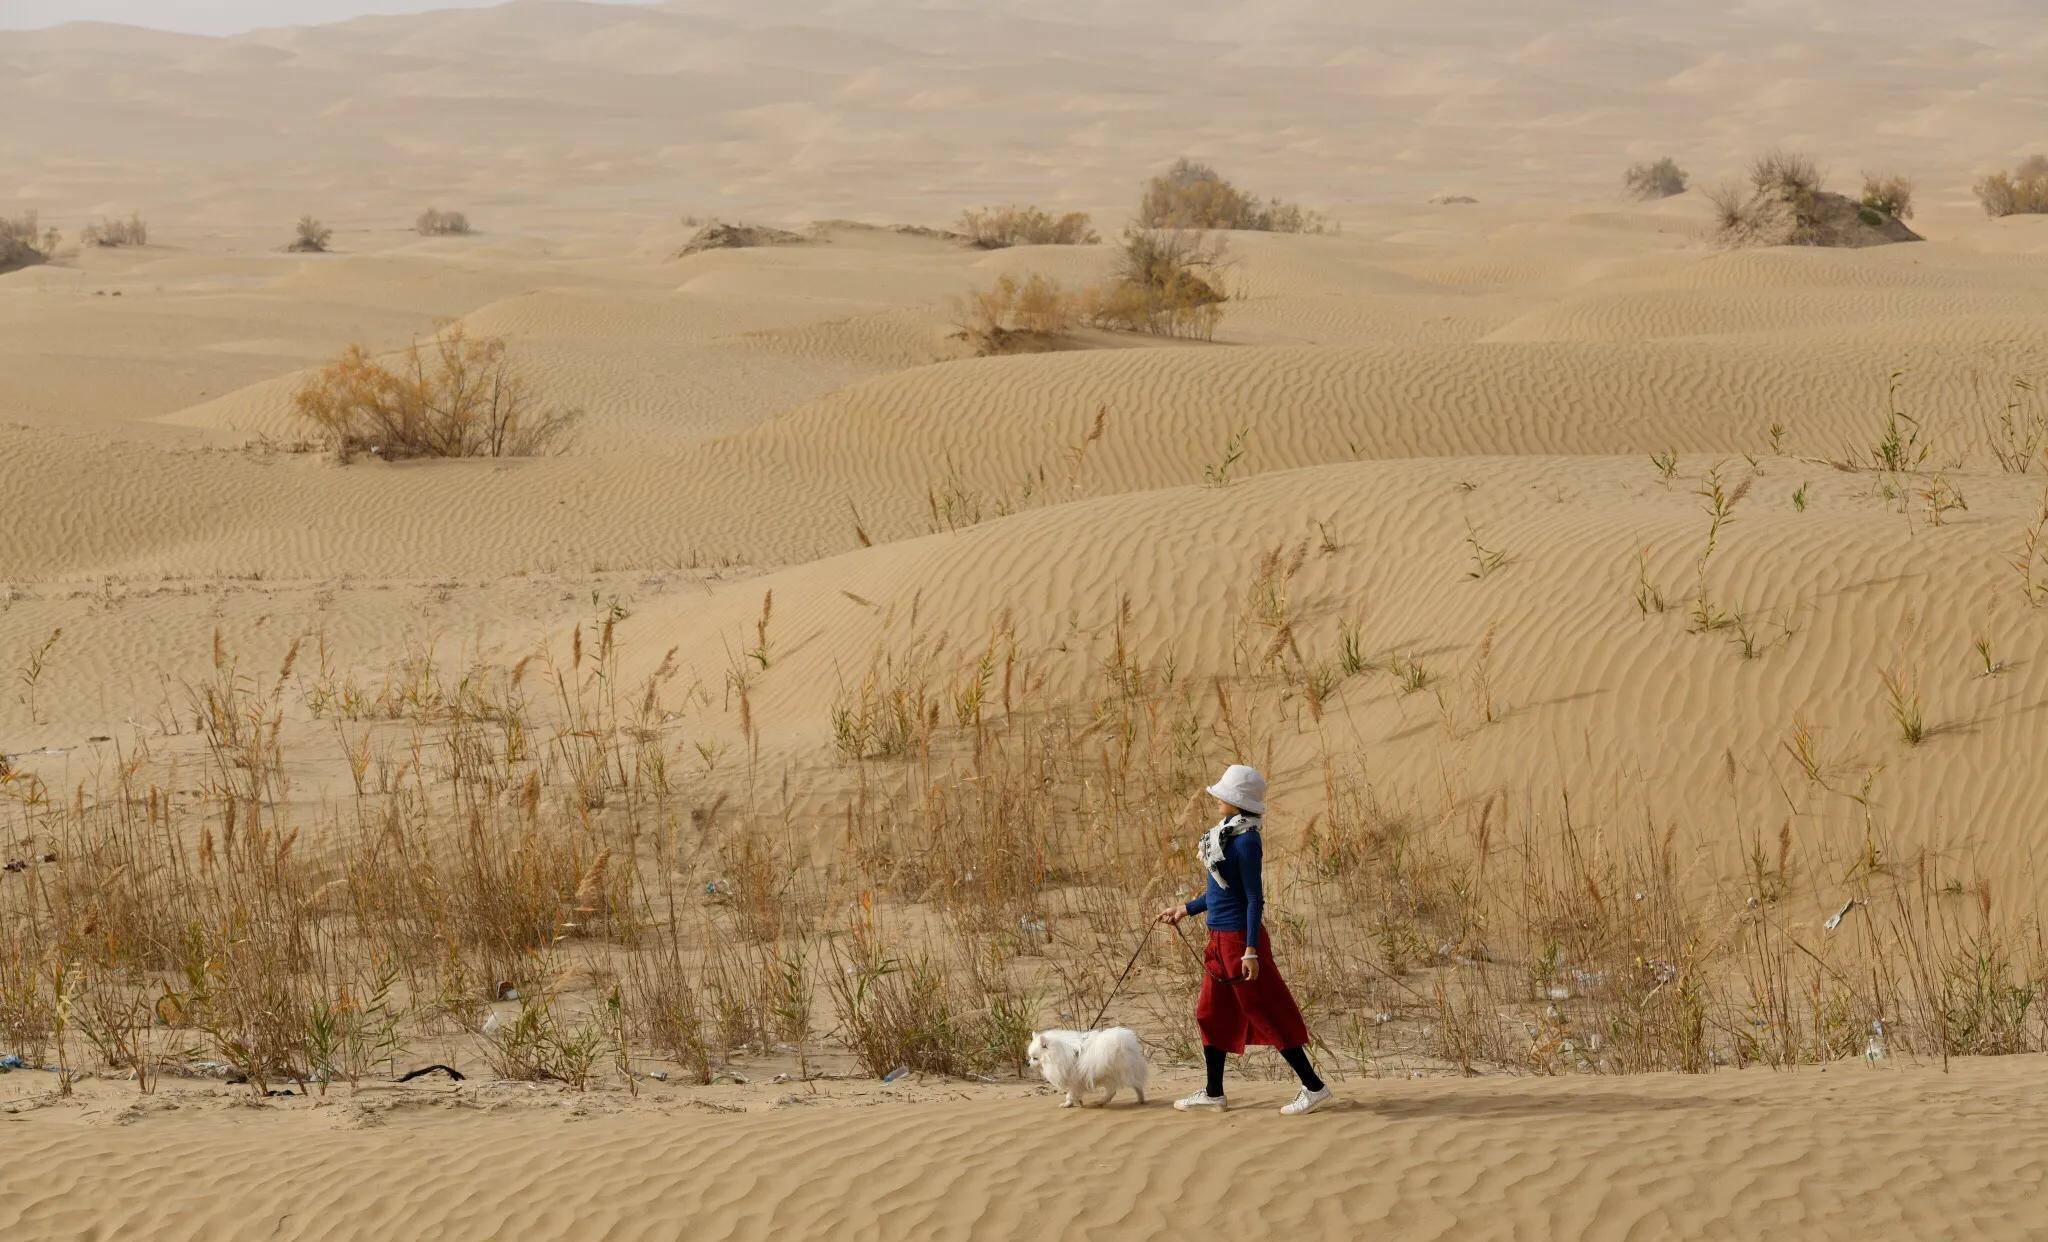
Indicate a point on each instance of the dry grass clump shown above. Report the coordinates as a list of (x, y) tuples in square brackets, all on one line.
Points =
[(917, 1010), (1017, 316), (2023, 191), (433, 222), (1661, 179), (1193, 195), (1889, 193), (309, 236), (1730, 204), (111, 233), (993, 228), (24, 243), (459, 397)]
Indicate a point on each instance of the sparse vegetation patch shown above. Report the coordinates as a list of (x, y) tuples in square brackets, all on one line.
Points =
[(1784, 205), (1888, 194), (433, 222), (24, 243), (1192, 195), (1660, 179), (310, 236), (111, 233), (993, 228), (1016, 316), (721, 236), (2023, 191)]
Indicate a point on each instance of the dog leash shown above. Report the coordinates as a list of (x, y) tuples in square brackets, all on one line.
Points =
[(1203, 962), (1178, 930), (1142, 942)]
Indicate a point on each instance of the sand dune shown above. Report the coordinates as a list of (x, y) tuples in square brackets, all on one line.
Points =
[(1440, 419), (1827, 1155), (1643, 709), (829, 367)]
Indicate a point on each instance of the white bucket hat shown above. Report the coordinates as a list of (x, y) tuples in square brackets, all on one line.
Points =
[(1243, 788)]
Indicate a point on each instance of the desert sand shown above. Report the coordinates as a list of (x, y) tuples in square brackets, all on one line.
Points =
[(1428, 387), (1843, 1154)]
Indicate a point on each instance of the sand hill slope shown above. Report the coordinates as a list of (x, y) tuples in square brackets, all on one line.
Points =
[(761, 411)]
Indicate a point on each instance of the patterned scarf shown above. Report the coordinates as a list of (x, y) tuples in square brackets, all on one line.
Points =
[(1217, 839)]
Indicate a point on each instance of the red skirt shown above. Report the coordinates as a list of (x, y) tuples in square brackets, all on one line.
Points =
[(1235, 1011)]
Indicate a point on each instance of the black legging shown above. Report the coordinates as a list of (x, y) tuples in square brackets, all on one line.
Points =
[(1296, 1058)]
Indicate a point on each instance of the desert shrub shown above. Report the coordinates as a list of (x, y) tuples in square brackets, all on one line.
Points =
[(1013, 316), (1784, 172), (433, 222), (23, 243), (1889, 193), (2023, 191), (1166, 282), (1661, 179), (992, 228), (458, 397), (129, 232), (1192, 195), (310, 236)]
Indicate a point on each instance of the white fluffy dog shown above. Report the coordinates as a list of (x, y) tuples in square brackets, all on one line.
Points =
[(1084, 1063)]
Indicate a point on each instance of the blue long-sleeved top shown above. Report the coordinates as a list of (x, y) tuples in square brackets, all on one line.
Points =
[(1242, 905)]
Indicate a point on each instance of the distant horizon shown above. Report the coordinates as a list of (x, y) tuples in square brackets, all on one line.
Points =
[(221, 18)]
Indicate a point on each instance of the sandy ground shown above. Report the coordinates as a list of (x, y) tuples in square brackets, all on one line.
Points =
[(1433, 375), (752, 413), (1845, 1153)]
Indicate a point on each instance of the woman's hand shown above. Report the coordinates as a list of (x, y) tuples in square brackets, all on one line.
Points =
[(1250, 965), (1172, 915)]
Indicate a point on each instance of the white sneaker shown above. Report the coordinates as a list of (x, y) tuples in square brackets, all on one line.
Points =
[(1200, 1100), (1306, 1102)]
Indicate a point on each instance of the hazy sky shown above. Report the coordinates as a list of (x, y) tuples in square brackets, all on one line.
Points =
[(210, 16)]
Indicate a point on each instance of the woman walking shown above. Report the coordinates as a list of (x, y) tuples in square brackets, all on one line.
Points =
[(1244, 999)]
